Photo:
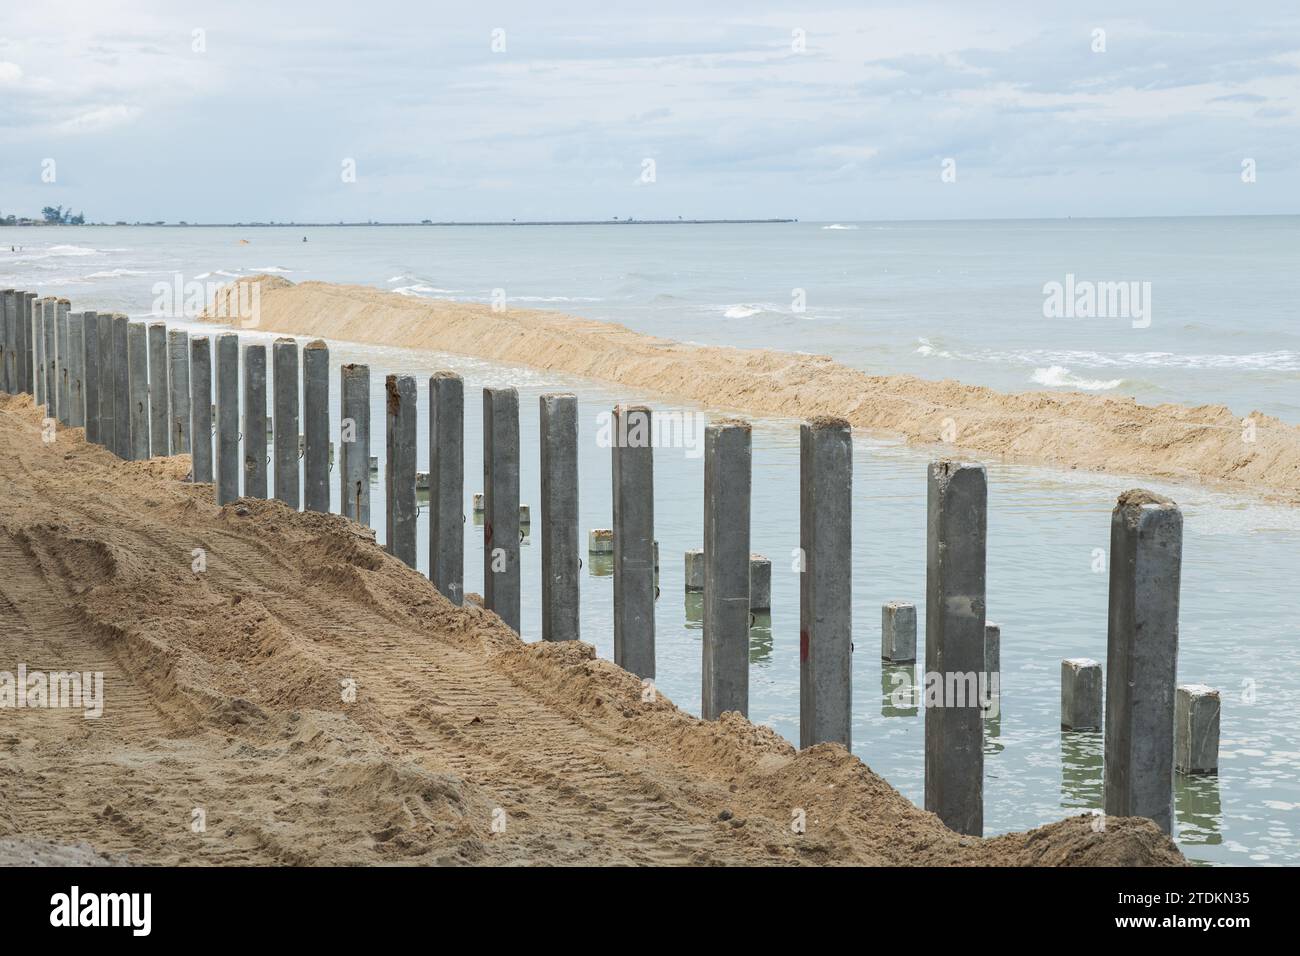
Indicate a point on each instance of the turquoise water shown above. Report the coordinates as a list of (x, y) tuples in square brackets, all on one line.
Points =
[(1223, 328)]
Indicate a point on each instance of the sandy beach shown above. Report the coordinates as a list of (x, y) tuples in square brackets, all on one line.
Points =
[(225, 695), (1207, 444)]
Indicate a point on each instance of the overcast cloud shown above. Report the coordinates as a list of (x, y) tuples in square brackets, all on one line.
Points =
[(856, 125)]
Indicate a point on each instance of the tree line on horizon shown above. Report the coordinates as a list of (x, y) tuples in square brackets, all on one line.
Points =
[(50, 215)]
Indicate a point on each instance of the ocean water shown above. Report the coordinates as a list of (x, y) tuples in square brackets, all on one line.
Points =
[(962, 300)]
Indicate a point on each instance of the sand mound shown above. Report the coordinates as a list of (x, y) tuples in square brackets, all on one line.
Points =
[(1071, 430), (304, 698)]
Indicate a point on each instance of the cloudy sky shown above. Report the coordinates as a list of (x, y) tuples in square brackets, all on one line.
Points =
[(257, 110)]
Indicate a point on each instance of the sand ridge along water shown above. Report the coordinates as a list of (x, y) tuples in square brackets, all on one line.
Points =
[(1207, 444), (225, 693)]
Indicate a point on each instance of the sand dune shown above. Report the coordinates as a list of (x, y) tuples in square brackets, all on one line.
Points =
[(224, 693), (1071, 430)]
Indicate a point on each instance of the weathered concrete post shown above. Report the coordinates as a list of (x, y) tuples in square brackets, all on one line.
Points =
[(354, 443), (76, 368), (201, 408), (992, 650), (137, 347), (694, 569), (825, 587), (501, 503), (561, 561), (49, 317), (727, 459), (316, 426), (178, 376), (21, 342), (1146, 547), (121, 388), (90, 366), (9, 373), (1080, 694), (62, 349), (634, 532), (1196, 729), (760, 584), (898, 632), (107, 383), (400, 477), (447, 484), (159, 392), (28, 335), (254, 421), (284, 360), (8, 333), (954, 643), (228, 463)]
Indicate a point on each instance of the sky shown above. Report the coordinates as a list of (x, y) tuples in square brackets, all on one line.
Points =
[(404, 111)]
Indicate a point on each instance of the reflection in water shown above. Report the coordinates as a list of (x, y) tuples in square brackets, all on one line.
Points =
[(694, 610), (993, 729), (899, 694), (1081, 755), (600, 565), (760, 637), (1197, 807), (992, 714)]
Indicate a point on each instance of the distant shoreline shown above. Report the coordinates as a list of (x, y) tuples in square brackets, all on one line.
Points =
[(510, 222)]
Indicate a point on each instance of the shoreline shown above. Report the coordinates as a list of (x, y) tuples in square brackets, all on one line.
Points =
[(1203, 445), (222, 692)]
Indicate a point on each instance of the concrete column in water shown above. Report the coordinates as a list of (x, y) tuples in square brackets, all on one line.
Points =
[(316, 426), (501, 503), (898, 632), (634, 510), (826, 584), (63, 376), (760, 584), (727, 471), (107, 383), (254, 421), (76, 366), (137, 348), (228, 460), (400, 420), (1080, 694), (561, 560), (121, 388), (201, 408), (90, 356), (159, 392), (1196, 729), (957, 509), (284, 359), (447, 484), (1146, 549), (354, 443), (178, 380)]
